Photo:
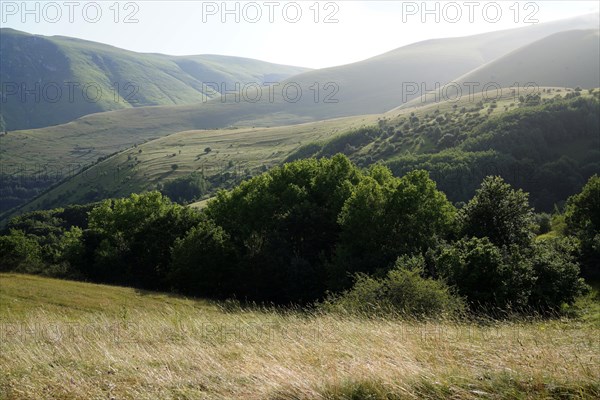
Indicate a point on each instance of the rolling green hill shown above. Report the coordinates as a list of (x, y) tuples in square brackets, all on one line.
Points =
[(567, 59), (73, 77), (381, 83), (372, 86), (454, 142), (564, 59)]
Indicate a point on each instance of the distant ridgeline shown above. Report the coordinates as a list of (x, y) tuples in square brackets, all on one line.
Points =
[(49, 80)]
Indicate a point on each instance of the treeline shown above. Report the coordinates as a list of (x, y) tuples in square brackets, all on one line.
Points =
[(16, 189), (323, 229)]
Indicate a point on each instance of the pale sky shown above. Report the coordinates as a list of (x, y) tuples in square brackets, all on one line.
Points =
[(266, 30)]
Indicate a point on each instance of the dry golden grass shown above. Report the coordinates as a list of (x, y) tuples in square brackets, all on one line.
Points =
[(122, 344)]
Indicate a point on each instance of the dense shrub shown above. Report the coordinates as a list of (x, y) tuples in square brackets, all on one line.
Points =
[(57, 233), (540, 277), (485, 274), (498, 265), (403, 291), (185, 189), (66, 256), (387, 217), (543, 222), (557, 274)]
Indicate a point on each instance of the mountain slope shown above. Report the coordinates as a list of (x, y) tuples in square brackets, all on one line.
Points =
[(564, 59), (433, 137), (74, 77), (370, 86), (234, 154), (381, 83)]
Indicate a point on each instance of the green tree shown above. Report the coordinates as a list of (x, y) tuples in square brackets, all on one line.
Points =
[(129, 240), (387, 217), (284, 226), (543, 222), (19, 252), (57, 233), (582, 217), (583, 209), (500, 213), (203, 262), (185, 189), (557, 274)]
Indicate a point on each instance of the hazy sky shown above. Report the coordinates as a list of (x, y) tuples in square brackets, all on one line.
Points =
[(305, 33)]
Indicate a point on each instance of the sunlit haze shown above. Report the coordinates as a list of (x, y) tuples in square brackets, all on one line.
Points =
[(304, 33)]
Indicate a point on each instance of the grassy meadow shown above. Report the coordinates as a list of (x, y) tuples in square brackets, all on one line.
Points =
[(73, 340)]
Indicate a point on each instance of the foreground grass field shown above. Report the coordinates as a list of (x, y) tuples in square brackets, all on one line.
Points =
[(70, 340)]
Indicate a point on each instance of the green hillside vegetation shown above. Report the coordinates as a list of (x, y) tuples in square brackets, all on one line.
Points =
[(433, 137), (549, 150), (235, 154), (41, 157), (118, 78), (544, 144)]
